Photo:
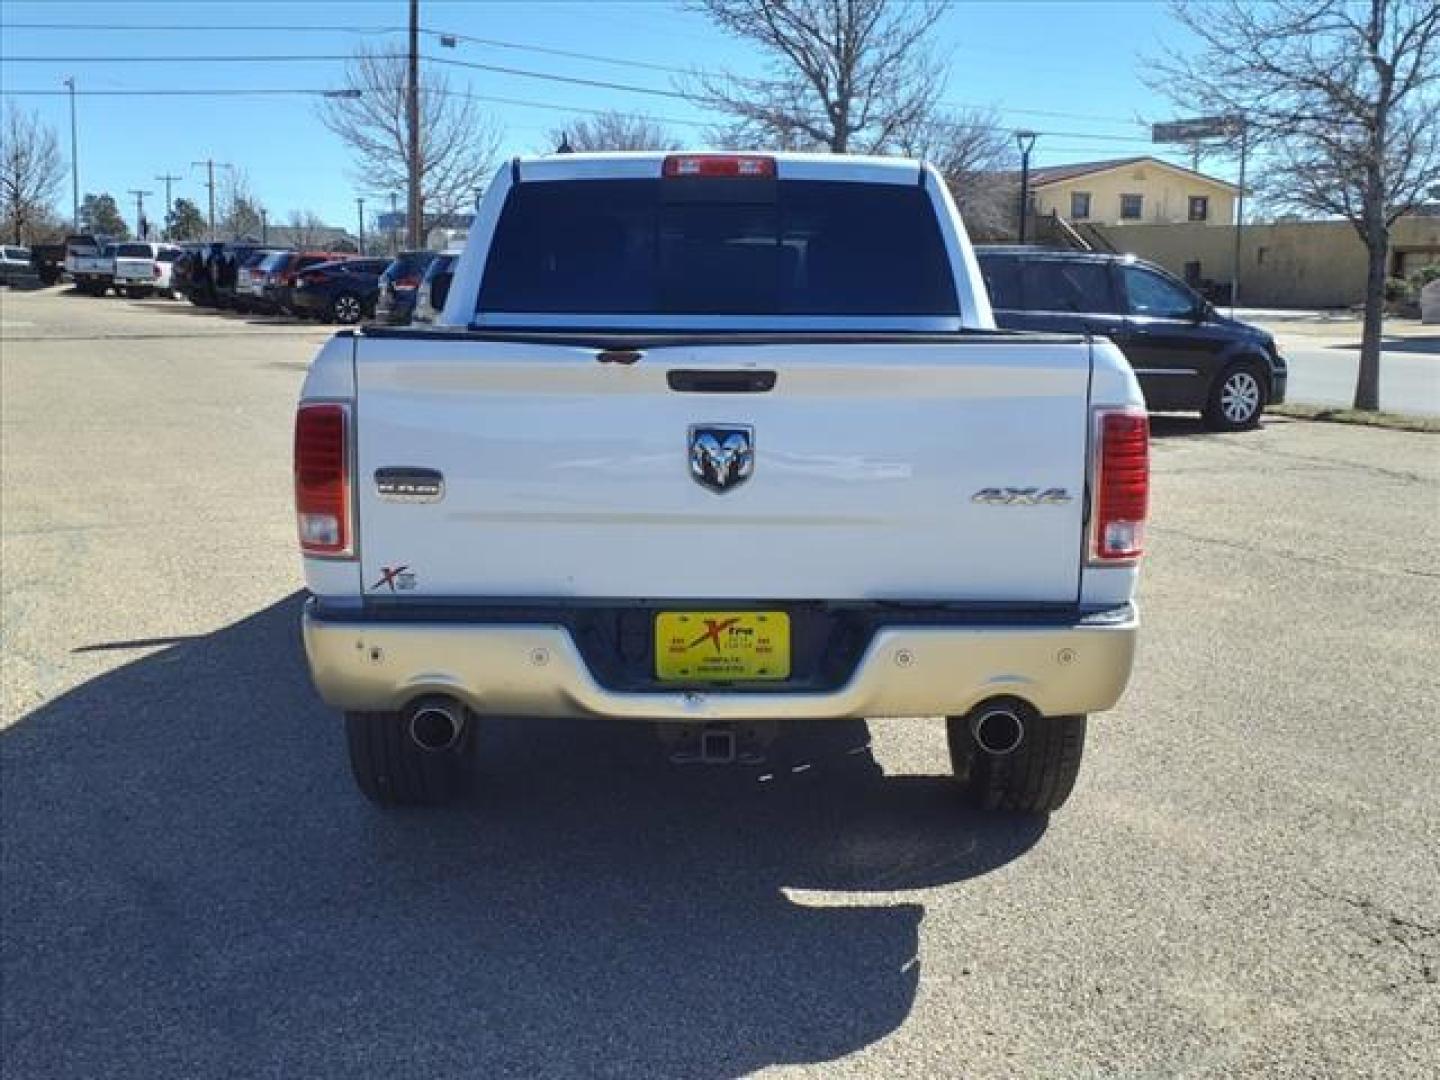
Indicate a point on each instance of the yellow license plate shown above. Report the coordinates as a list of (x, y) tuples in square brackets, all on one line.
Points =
[(698, 646)]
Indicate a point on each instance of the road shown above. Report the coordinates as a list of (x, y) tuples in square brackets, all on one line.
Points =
[(1244, 883), (1324, 356), (1325, 375)]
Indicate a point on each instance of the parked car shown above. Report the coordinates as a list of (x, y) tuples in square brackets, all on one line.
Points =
[(250, 280), (195, 273), (90, 262), (434, 289), (788, 359), (165, 260), (398, 284), (282, 269), (15, 266), (138, 270), (48, 261), (225, 271), (341, 292), (187, 273), (1187, 355)]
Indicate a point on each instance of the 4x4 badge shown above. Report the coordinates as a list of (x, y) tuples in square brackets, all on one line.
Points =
[(1021, 496), (721, 456)]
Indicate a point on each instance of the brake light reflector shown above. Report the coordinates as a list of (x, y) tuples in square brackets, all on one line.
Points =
[(718, 165), (1121, 496), (322, 479)]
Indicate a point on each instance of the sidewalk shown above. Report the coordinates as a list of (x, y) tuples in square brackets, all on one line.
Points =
[(1339, 326)]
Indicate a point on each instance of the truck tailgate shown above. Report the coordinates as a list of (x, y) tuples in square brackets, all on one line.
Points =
[(567, 476)]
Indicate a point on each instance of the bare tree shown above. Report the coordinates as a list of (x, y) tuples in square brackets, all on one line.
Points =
[(240, 207), (614, 131), (1344, 95), (31, 170), (978, 159), (307, 229), (848, 75), (458, 143)]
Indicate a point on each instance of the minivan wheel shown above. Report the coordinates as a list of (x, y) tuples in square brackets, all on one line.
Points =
[(391, 769), (1036, 777), (346, 309), (1237, 399)]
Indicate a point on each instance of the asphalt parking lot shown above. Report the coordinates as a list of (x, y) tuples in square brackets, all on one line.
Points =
[(1246, 882)]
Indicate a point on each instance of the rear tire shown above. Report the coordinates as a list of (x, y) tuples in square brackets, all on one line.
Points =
[(392, 771), (1237, 399), (1035, 778), (346, 309)]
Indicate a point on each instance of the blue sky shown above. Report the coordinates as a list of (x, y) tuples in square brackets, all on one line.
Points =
[(1027, 60)]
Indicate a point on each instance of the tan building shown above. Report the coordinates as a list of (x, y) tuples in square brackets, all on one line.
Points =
[(1132, 190), (1318, 264)]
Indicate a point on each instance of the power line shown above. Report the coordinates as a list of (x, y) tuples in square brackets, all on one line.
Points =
[(165, 92), (235, 58), (500, 43), (519, 102), (192, 28)]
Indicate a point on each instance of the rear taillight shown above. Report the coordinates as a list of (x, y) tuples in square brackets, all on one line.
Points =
[(1121, 494), (322, 479), (155, 271), (411, 282), (718, 165)]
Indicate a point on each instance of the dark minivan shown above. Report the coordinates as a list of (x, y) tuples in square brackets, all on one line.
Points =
[(1187, 355)]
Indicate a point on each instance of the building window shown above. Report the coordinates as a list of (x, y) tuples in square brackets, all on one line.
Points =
[(1131, 207), (1079, 205), (1199, 208)]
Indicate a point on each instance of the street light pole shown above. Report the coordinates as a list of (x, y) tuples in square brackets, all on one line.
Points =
[(264, 227), (1026, 141), (74, 157), (414, 227), (394, 238), (360, 212), (1239, 213)]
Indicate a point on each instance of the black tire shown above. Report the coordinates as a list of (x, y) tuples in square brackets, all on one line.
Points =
[(346, 309), (1035, 778), (392, 771), (1237, 398)]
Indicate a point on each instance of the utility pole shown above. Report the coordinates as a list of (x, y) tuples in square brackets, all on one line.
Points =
[(74, 157), (394, 239), (1026, 141), (140, 224), (414, 227), (169, 206), (210, 164), (360, 212), (264, 227)]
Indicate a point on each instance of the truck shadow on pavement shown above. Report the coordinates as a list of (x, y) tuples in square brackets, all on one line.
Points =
[(192, 887)]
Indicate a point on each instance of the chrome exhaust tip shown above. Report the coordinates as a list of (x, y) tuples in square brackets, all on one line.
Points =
[(997, 731), (436, 724)]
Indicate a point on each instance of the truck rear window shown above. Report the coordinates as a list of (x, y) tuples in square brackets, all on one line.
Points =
[(135, 251), (718, 246)]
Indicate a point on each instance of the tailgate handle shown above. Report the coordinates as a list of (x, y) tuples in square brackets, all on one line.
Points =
[(688, 381)]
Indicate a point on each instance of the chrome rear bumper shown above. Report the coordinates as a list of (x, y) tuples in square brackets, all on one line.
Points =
[(536, 670)]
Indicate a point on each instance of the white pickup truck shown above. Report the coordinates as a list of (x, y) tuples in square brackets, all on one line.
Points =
[(90, 262), (713, 440)]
